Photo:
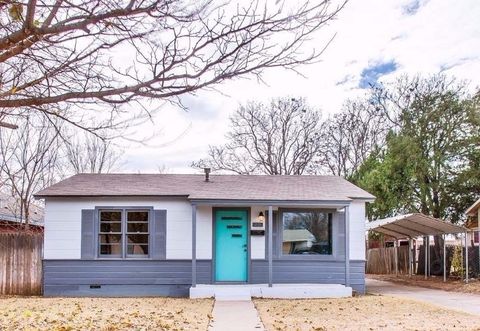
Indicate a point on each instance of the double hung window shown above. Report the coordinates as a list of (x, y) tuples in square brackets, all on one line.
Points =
[(123, 233)]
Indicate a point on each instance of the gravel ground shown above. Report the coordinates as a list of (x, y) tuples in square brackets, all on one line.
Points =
[(454, 285), (361, 313), (108, 314)]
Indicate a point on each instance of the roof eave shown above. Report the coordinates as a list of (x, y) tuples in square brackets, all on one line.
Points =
[(471, 211), (44, 196), (273, 202), (366, 199)]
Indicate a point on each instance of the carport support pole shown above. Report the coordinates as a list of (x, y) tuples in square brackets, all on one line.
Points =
[(426, 253), (444, 259), (194, 245), (270, 246), (461, 251), (466, 257), (429, 258), (410, 257), (395, 249)]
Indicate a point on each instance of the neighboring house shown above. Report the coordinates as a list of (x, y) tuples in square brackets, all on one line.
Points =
[(473, 220), (132, 234), (11, 219), (296, 241)]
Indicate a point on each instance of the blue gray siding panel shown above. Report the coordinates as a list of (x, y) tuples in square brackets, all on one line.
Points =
[(122, 277), (310, 272), (118, 291), (173, 277)]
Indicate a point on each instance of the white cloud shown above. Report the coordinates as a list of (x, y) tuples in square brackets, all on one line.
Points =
[(439, 35)]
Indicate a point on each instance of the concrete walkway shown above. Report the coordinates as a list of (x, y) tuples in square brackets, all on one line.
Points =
[(235, 315), (469, 303)]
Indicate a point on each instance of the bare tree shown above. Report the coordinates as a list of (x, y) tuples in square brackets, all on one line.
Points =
[(69, 58), (349, 136), (85, 153), (5, 124), (28, 160), (162, 169), (276, 139)]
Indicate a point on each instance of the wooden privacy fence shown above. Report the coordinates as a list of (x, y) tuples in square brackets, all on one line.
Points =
[(382, 260), (21, 263)]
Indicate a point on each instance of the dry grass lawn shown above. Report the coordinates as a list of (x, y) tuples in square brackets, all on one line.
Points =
[(454, 285), (361, 313), (109, 314)]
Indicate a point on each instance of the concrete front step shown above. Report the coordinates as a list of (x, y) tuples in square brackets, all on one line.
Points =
[(280, 291), (232, 294)]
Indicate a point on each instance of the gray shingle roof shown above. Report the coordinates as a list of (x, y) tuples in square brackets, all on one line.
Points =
[(10, 211), (222, 187)]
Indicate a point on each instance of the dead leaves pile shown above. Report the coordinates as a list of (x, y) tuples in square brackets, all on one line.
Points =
[(107, 314), (360, 313)]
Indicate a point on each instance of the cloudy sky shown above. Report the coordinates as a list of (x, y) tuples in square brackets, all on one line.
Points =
[(375, 40)]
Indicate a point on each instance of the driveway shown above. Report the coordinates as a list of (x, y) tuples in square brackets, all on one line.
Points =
[(469, 303)]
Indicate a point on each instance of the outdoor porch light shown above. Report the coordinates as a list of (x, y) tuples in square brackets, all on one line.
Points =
[(261, 217)]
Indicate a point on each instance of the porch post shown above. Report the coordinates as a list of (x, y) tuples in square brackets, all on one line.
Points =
[(347, 246), (270, 246), (194, 245)]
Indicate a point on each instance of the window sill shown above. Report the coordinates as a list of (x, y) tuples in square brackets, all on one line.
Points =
[(124, 259), (308, 257)]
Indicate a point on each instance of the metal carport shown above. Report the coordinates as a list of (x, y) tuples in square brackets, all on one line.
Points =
[(410, 226)]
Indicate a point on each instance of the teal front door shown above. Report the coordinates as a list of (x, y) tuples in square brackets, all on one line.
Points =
[(231, 245)]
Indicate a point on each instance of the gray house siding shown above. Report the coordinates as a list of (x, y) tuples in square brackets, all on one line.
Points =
[(173, 277), (309, 272), (122, 277)]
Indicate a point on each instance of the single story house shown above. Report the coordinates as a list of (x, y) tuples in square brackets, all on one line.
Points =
[(165, 234), (473, 221)]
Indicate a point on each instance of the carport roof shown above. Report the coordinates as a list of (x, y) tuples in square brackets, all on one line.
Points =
[(412, 226)]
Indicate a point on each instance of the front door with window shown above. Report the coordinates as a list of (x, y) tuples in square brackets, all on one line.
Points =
[(231, 245)]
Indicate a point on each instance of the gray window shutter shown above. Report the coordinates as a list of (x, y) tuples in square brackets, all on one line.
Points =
[(274, 234), (159, 235), (88, 234)]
